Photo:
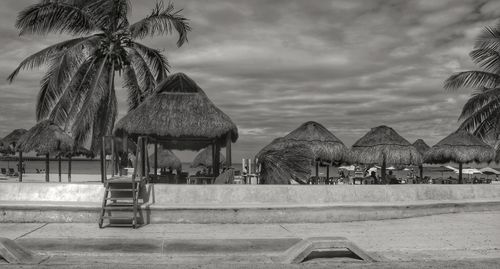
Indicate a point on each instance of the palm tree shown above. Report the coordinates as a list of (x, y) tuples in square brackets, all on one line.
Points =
[(481, 113), (78, 90)]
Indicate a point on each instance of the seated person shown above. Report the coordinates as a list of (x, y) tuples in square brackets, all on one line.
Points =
[(392, 178)]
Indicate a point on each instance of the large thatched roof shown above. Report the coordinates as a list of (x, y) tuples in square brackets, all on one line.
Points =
[(324, 145), (5, 148), (384, 141), (421, 146), (13, 136), (460, 147), (45, 137), (166, 159), (204, 158), (178, 110)]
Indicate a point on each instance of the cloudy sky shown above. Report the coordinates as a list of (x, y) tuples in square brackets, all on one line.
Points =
[(272, 65)]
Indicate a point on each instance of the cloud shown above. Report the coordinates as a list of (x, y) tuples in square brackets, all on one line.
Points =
[(272, 65)]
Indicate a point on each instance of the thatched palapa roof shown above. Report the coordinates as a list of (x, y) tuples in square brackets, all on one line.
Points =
[(179, 110), (324, 145), (384, 141), (166, 159), (13, 136), (204, 158), (45, 138), (421, 146), (460, 147)]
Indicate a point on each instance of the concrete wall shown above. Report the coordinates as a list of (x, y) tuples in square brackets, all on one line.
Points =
[(255, 194), (62, 202)]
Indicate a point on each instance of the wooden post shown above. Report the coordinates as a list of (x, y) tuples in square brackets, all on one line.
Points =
[(383, 170), (317, 173), (328, 173), (421, 168), (125, 151), (103, 160), (20, 166), (112, 156), (460, 181), (217, 160), (59, 166), (156, 159), (69, 168), (47, 167), (228, 151), (143, 156)]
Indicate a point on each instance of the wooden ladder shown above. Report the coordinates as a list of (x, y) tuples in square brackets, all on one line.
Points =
[(120, 205)]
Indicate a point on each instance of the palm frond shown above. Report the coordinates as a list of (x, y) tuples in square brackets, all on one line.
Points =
[(55, 81), (162, 20), (156, 61), (92, 101), (44, 56), (145, 77), (108, 15), (478, 100), (489, 38), (72, 96), (488, 59), (281, 165), (134, 91), (472, 79), (486, 129), (54, 16), (472, 122)]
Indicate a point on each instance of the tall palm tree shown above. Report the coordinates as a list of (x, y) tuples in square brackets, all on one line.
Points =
[(78, 90), (481, 113)]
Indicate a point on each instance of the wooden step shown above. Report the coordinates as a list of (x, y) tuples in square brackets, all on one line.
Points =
[(113, 189), (118, 218)]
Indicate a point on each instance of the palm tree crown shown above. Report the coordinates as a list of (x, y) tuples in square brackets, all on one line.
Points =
[(78, 92), (481, 113)]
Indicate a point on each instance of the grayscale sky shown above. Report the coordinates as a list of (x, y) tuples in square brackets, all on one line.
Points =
[(273, 64)]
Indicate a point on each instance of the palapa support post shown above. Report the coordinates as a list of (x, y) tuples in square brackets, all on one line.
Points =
[(124, 160), (216, 159), (156, 159), (327, 173), (59, 167), (69, 168), (383, 170), (103, 160), (20, 166), (421, 169), (228, 151), (47, 167), (112, 156), (460, 180)]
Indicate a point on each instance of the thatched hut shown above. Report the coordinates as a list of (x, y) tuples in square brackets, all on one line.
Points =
[(460, 147), (166, 159), (324, 145), (46, 138), (179, 115), (8, 146), (205, 159), (421, 147), (382, 145)]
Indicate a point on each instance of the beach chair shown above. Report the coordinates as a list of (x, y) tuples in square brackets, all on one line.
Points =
[(11, 172), (4, 171)]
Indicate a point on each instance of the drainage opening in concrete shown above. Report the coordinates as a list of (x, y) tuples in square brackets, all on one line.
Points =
[(336, 254)]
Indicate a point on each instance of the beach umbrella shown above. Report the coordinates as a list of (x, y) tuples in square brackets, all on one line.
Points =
[(382, 145), (46, 138), (284, 165), (204, 158), (167, 160), (460, 147), (180, 116), (421, 147), (9, 144)]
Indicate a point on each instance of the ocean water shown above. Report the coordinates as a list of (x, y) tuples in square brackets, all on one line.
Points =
[(92, 167)]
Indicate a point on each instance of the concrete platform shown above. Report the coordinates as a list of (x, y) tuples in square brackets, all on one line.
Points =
[(464, 240), (55, 202)]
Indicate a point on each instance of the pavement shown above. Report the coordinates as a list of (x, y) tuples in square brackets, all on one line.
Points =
[(462, 240)]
